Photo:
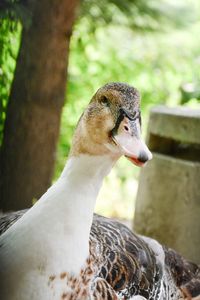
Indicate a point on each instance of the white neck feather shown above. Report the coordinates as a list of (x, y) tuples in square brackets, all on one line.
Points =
[(75, 195), (63, 216)]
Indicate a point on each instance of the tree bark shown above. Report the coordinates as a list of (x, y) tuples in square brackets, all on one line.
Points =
[(36, 100)]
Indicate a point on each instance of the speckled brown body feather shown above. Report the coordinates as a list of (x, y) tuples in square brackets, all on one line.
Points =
[(122, 264)]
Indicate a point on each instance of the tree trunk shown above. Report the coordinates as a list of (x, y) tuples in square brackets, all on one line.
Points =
[(34, 109)]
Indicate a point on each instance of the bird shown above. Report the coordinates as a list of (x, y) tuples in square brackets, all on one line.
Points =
[(60, 249)]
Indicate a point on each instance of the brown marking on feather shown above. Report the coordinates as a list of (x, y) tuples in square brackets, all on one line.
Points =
[(84, 293), (52, 277), (74, 281), (63, 275), (64, 296), (90, 272), (185, 293)]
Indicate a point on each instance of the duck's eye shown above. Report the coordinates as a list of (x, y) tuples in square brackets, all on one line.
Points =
[(104, 101)]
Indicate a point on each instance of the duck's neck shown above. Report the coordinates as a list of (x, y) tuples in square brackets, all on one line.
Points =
[(73, 197), (83, 177)]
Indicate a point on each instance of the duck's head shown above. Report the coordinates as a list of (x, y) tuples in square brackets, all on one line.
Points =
[(111, 124)]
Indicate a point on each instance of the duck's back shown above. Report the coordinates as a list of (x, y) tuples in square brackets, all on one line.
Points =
[(136, 265), (131, 264)]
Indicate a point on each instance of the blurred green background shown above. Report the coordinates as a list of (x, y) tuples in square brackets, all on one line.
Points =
[(153, 46)]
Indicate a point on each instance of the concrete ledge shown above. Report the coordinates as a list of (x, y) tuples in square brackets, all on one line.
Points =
[(181, 124)]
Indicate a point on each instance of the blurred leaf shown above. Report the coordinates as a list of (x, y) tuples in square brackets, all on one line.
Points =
[(9, 44)]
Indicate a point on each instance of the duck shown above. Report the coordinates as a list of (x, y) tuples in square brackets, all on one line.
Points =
[(60, 249)]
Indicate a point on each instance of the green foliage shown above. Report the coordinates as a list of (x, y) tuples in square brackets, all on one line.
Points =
[(139, 15), (16, 10), (9, 44)]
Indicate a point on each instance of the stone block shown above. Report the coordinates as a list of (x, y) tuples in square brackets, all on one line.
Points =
[(168, 198), (180, 124)]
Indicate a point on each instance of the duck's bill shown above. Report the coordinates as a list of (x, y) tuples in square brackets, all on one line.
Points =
[(133, 148), (131, 145)]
